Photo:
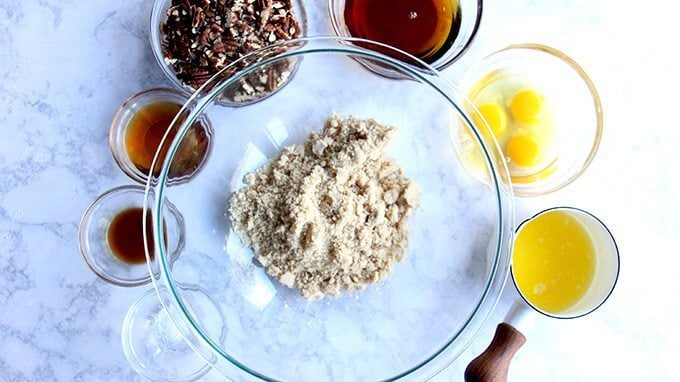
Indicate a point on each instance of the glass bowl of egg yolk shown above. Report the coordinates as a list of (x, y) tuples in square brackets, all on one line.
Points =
[(542, 110)]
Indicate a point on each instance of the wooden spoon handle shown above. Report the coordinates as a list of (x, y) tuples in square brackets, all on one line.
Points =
[(492, 365)]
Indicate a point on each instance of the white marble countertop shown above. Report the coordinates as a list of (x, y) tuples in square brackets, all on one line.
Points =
[(67, 66)]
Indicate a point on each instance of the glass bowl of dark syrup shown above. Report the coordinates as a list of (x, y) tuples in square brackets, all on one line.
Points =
[(438, 32)]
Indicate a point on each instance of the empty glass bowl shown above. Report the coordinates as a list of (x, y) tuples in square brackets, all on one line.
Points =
[(410, 325), (152, 344)]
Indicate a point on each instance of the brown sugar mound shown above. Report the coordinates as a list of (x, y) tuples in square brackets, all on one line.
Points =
[(328, 215)]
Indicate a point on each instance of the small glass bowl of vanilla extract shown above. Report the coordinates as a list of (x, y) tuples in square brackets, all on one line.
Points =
[(111, 236), (138, 130), (437, 32)]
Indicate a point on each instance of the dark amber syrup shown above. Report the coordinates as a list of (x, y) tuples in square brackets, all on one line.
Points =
[(423, 28)]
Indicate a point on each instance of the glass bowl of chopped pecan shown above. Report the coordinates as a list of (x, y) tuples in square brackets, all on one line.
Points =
[(192, 40), (333, 225)]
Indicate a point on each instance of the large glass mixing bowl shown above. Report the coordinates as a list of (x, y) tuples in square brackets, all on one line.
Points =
[(411, 325)]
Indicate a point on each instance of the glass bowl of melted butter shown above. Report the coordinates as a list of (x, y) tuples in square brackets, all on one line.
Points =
[(541, 109)]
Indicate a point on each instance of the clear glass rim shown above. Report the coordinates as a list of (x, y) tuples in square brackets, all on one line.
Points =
[(344, 45), (616, 277), (337, 29)]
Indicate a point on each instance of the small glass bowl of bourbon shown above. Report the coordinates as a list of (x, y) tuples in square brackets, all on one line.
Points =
[(138, 129), (111, 236), (436, 31)]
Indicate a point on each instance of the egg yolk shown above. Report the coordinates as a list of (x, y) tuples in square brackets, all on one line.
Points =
[(495, 117), (523, 150), (526, 105)]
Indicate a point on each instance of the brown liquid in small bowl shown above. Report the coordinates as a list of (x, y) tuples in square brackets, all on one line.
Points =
[(146, 130), (125, 236)]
